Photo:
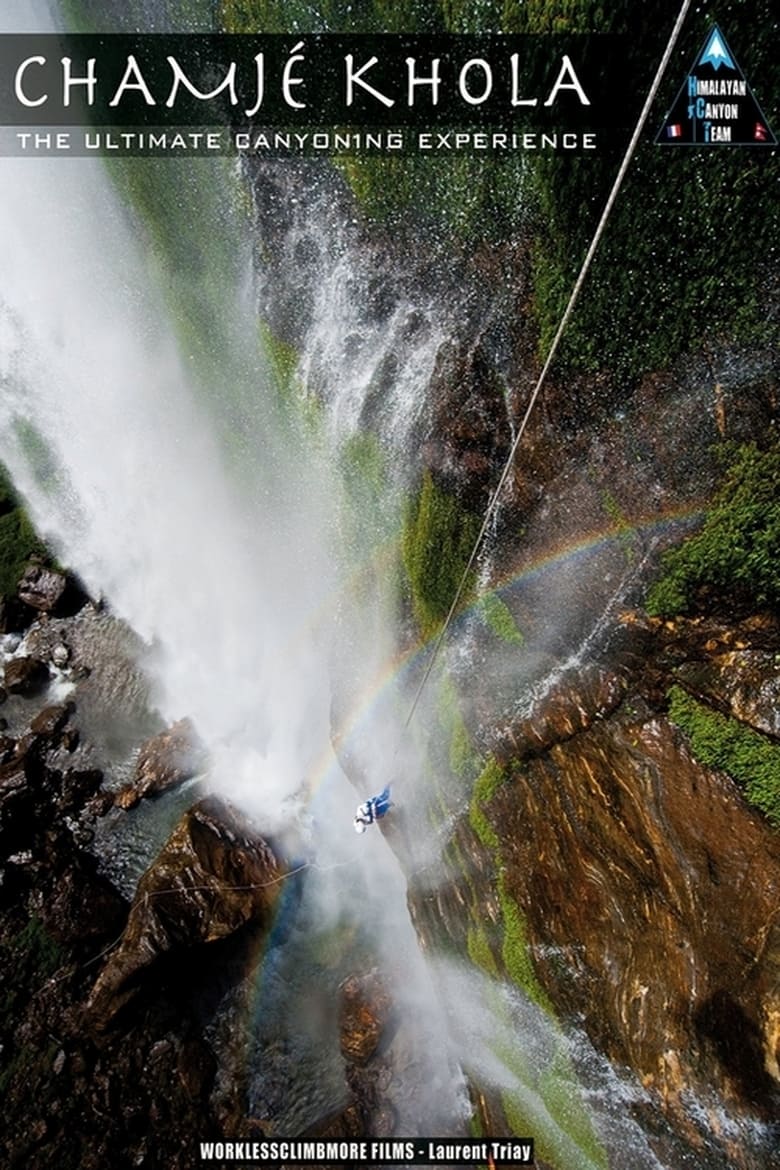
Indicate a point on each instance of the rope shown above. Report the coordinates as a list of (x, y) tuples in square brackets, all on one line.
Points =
[(67, 971), (575, 292)]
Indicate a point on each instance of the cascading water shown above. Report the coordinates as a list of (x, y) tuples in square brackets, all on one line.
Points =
[(159, 454), (159, 465)]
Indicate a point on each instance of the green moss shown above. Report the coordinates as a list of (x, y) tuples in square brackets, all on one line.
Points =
[(498, 617), (363, 459), (479, 950), (737, 552), (719, 742), (488, 782), (514, 949), (18, 539), (570, 1140), (463, 760), (438, 536)]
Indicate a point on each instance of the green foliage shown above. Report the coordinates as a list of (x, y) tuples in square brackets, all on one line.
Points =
[(737, 552), (438, 536), (464, 761), (18, 540), (487, 784), (719, 742), (497, 616), (285, 16), (479, 950), (663, 280), (514, 948)]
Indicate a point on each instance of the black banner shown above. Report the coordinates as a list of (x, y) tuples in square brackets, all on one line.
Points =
[(490, 1152), (569, 82)]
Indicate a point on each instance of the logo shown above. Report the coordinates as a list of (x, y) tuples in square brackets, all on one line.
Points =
[(715, 105)]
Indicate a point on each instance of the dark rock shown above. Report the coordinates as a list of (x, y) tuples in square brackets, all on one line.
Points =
[(41, 588), (71, 739), (15, 616), (78, 788), (196, 1068), (211, 878), (164, 761), (26, 676), (469, 435), (84, 908), (50, 721)]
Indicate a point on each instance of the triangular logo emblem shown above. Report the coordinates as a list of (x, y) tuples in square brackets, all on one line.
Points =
[(715, 105)]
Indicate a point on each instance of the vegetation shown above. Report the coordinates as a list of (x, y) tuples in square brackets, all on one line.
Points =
[(487, 784), (705, 283), (438, 536), (479, 950), (18, 540), (497, 616), (737, 552), (719, 742)]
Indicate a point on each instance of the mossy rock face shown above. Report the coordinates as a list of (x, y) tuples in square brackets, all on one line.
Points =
[(18, 540), (734, 561), (718, 741), (438, 536)]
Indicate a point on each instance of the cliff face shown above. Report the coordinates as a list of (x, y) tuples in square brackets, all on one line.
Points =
[(648, 888)]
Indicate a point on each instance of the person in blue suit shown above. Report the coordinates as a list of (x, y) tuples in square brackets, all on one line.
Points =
[(372, 810)]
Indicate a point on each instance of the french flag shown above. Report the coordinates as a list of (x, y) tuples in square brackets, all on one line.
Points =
[(674, 131)]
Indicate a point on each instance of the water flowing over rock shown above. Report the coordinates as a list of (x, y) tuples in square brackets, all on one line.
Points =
[(647, 886), (212, 878), (164, 761)]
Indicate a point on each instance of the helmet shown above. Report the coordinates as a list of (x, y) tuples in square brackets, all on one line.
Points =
[(358, 825)]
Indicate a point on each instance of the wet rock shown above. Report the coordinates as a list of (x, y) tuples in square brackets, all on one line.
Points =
[(211, 878), (577, 699), (15, 616), (469, 435), (196, 1067), (49, 722), (26, 676), (164, 761), (41, 588), (743, 683), (84, 907), (649, 888), (364, 1015), (60, 655)]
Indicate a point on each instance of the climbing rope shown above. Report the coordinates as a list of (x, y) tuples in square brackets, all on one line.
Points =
[(575, 292), (69, 970)]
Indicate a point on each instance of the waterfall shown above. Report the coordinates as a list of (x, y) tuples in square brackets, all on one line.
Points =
[(145, 427)]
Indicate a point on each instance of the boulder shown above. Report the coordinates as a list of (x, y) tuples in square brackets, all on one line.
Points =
[(164, 761), (41, 588), (26, 676), (212, 877), (49, 722)]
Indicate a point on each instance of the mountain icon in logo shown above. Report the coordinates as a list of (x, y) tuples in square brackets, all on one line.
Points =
[(716, 52), (715, 105)]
